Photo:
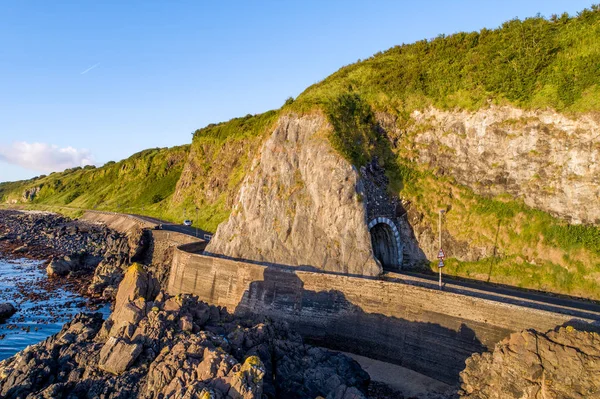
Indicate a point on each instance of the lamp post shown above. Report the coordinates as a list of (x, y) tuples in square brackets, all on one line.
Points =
[(196, 222)]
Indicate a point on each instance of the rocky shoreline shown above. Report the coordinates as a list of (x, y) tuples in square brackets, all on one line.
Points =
[(43, 235), (85, 257), (158, 346)]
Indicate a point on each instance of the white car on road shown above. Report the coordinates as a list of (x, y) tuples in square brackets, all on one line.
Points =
[(187, 222)]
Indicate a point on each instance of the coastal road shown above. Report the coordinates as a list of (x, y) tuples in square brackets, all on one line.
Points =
[(180, 228), (572, 306)]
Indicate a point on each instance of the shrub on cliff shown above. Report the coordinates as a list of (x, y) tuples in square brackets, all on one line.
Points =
[(355, 133)]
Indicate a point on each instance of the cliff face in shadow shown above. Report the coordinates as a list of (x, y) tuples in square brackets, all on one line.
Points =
[(299, 205)]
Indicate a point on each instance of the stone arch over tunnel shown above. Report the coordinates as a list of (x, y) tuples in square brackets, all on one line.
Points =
[(385, 240)]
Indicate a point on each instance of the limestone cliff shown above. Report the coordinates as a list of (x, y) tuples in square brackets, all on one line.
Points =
[(549, 160), (299, 205)]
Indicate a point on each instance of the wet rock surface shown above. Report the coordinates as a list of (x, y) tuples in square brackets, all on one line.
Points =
[(6, 310), (70, 253), (43, 304), (158, 346), (562, 363)]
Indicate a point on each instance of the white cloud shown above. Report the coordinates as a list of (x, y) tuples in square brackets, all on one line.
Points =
[(44, 157)]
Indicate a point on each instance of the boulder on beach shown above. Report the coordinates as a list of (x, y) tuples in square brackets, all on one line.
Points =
[(6, 310), (60, 267)]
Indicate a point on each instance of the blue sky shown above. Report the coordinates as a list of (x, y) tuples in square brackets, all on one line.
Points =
[(161, 69)]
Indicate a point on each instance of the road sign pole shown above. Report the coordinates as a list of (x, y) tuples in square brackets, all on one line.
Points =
[(440, 227), (441, 255)]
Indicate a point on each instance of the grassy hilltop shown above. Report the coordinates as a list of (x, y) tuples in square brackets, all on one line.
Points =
[(537, 63)]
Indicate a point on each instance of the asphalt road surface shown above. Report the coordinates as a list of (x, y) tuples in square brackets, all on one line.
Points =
[(180, 228), (539, 300)]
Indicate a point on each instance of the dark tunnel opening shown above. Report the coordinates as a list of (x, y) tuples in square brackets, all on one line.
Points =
[(384, 246)]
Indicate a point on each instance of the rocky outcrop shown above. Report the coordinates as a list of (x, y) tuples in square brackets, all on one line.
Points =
[(6, 310), (121, 250), (550, 161), (118, 355), (561, 363), (30, 194), (176, 347), (299, 206)]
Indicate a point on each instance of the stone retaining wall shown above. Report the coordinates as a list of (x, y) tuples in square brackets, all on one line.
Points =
[(426, 330)]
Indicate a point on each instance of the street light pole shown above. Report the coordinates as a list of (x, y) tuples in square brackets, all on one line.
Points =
[(196, 222)]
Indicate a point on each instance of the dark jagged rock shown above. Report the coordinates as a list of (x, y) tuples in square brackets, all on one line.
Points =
[(562, 363), (121, 249), (6, 310), (158, 346), (42, 235)]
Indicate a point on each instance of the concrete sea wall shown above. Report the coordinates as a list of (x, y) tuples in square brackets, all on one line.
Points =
[(427, 330)]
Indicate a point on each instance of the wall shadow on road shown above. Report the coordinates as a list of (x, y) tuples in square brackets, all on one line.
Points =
[(328, 319)]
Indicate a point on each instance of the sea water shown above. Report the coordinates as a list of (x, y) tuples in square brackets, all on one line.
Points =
[(41, 311)]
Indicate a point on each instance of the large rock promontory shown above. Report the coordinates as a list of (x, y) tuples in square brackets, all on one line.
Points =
[(299, 205)]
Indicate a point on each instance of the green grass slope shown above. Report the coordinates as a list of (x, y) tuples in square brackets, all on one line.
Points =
[(220, 155), (142, 183), (531, 64)]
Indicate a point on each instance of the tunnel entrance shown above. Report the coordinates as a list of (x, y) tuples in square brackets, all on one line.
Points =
[(385, 241)]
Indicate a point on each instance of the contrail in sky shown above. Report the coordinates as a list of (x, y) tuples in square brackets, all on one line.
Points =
[(90, 68)]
